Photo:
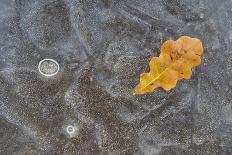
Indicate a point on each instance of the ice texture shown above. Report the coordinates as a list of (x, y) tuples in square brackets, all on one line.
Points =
[(102, 46)]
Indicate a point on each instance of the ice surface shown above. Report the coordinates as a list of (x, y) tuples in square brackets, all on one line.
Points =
[(101, 47)]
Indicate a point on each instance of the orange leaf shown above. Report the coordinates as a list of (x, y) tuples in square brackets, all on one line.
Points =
[(175, 62)]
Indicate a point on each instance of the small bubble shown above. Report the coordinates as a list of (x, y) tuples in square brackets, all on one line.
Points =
[(70, 129), (48, 67)]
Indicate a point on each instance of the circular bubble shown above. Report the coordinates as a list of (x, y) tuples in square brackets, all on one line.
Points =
[(70, 129), (48, 67)]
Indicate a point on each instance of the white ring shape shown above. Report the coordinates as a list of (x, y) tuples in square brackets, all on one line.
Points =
[(48, 61), (71, 129)]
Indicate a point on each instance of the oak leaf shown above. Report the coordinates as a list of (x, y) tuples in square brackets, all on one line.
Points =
[(176, 60)]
